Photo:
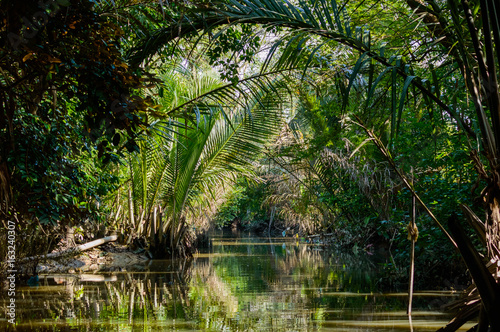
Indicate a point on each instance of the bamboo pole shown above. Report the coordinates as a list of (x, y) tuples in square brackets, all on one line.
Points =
[(412, 250)]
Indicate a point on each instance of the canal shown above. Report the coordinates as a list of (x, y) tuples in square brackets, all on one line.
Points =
[(240, 283)]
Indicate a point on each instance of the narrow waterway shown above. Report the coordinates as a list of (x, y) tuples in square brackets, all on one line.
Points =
[(241, 283)]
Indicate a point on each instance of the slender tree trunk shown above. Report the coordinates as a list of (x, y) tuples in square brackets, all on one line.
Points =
[(131, 208), (273, 210), (493, 225)]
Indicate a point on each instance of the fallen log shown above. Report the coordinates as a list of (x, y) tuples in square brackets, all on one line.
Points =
[(318, 235), (60, 278), (72, 251)]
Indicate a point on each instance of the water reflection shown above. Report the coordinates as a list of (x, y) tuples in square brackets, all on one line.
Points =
[(240, 284)]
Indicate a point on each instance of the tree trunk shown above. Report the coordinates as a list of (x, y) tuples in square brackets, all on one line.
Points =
[(486, 283)]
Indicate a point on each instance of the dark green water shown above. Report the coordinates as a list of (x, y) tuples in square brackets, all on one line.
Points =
[(240, 284)]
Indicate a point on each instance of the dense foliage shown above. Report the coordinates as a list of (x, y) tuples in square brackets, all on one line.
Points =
[(67, 99)]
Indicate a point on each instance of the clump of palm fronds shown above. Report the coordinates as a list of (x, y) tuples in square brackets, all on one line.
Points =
[(190, 156)]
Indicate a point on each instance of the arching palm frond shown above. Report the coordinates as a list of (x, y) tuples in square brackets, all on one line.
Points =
[(235, 142), (304, 21), (182, 88), (222, 146), (187, 95)]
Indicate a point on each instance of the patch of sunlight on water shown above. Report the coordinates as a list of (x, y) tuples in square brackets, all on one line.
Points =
[(239, 284)]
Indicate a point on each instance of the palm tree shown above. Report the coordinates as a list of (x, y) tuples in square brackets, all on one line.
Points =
[(185, 160)]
